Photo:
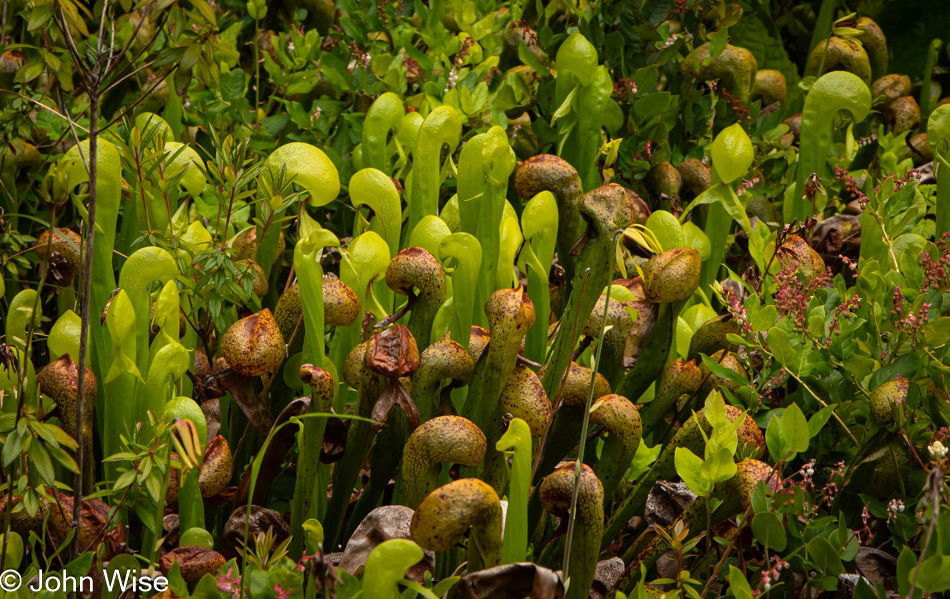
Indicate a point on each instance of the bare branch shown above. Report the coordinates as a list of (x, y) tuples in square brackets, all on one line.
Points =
[(71, 46), (72, 127), (161, 24), (124, 77), (128, 44), (84, 305), (111, 46), (102, 25)]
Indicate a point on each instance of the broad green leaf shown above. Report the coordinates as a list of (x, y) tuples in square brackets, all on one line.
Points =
[(719, 466), (80, 566), (386, 566), (525, 55), (63, 459), (667, 229), (934, 574), (816, 323), (865, 591), (937, 333), (232, 85), (769, 531), (764, 318), (696, 238), (207, 588), (795, 429), (738, 584), (774, 440), (760, 498), (717, 43), (844, 538), (715, 409), (732, 153), (651, 105), (689, 467), (578, 57), (14, 553), (782, 349), (825, 557), (643, 460), (906, 564), (190, 56), (938, 128), (817, 422), (41, 462)]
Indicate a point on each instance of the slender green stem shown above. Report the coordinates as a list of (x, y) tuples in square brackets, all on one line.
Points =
[(257, 66)]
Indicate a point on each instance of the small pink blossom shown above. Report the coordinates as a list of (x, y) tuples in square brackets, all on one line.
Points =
[(306, 559), (747, 184), (227, 583), (625, 88)]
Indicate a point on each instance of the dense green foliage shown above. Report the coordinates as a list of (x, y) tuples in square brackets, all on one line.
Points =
[(476, 298)]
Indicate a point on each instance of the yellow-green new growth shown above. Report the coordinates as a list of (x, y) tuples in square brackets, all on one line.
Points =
[(387, 565)]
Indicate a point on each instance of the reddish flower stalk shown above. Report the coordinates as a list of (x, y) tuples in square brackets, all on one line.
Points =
[(792, 295)]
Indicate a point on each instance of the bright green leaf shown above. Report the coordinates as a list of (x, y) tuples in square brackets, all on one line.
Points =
[(689, 467), (719, 466), (738, 584), (795, 429), (732, 153)]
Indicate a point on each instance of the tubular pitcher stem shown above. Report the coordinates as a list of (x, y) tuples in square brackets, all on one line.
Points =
[(582, 444)]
